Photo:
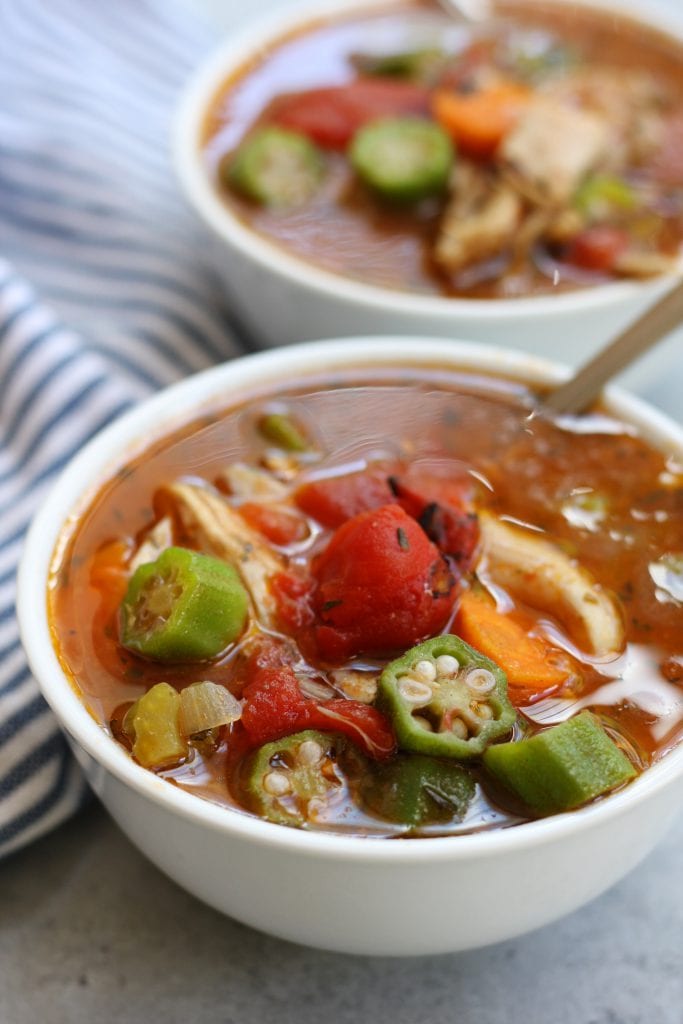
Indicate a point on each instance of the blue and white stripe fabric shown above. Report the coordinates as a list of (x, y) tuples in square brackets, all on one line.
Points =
[(105, 295)]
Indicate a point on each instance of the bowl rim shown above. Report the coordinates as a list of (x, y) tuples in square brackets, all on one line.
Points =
[(179, 403), (234, 53)]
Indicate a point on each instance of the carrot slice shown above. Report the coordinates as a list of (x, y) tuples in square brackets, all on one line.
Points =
[(533, 667), (479, 121)]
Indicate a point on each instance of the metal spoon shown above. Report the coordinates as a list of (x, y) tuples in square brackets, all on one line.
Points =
[(474, 11), (651, 327)]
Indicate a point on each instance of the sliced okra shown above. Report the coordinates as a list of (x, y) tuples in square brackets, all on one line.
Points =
[(562, 767), (402, 158), (446, 699), (416, 790), (184, 606), (289, 781), (275, 167)]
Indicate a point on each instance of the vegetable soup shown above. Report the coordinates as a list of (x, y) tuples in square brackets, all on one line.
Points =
[(541, 152), (394, 603)]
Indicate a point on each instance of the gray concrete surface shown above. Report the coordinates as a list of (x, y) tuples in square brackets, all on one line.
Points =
[(90, 932)]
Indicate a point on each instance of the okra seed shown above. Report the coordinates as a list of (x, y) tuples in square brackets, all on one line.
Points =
[(414, 691), (480, 680), (423, 722), (459, 729), (425, 671), (277, 784), (310, 753), (447, 665), (483, 711)]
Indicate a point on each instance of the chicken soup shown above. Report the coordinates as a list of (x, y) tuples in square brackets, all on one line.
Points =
[(538, 153), (391, 604)]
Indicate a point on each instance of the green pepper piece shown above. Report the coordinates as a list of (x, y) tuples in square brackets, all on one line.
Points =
[(153, 725), (420, 65), (562, 767), (282, 431), (444, 698), (287, 780), (402, 158), (601, 195), (275, 167), (416, 790), (185, 606)]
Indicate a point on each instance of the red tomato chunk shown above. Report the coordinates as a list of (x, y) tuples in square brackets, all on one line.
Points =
[(332, 116), (275, 707), (334, 500), (381, 586)]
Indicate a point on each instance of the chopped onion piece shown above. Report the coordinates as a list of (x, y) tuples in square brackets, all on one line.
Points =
[(311, 687), (206, 706), (250, 484), (667, 575)]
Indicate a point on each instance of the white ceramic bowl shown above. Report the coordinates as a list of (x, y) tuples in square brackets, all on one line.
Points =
[(342, 893), (284, 299)]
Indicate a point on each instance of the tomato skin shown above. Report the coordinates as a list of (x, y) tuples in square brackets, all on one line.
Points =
[(365, 725), (333, 500), (454, 530), (278, 526), (598, 247), (381, 586), (331, 116), (275, 707), (292, 593)]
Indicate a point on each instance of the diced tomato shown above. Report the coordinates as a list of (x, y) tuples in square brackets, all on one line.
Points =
[(365, 725), (454, 530), (275, 707), (277, 525), (332, 116), (381, 586), (292, 593), (598, 247), (333, 500)]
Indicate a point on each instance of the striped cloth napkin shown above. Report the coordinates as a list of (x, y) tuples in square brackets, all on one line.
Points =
[(104, 296)]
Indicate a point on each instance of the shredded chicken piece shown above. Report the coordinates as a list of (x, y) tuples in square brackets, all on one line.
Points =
[(220, 531), (314, 688), (640, 263), (355, 685), (480, 220), (631, 104), (157, 540), (251, 484), (550, 149), (534, 226), (540, 573)]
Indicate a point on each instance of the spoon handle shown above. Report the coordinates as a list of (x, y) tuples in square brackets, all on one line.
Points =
[(652, 326)]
